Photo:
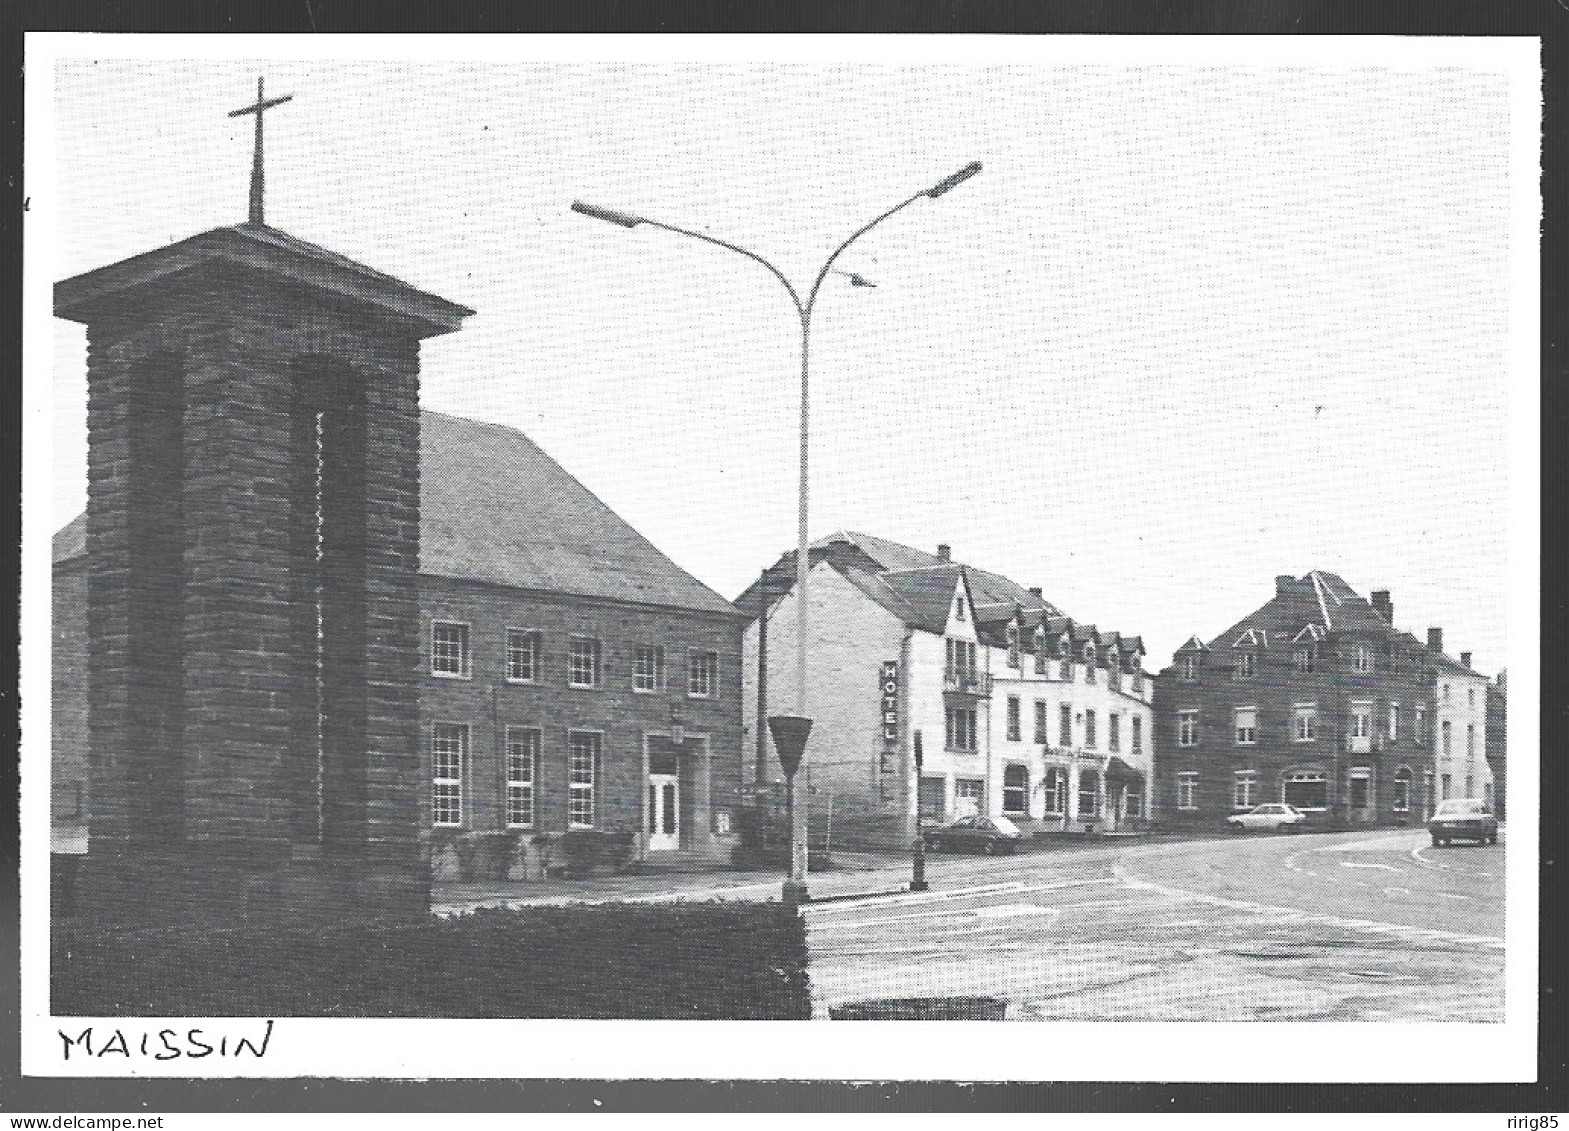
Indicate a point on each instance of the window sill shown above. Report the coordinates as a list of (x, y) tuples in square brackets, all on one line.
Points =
[(450, 675), (513, 681)]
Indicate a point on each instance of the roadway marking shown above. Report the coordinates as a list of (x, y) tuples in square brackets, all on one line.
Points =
[(1369, 864), (945, 895), (958, 919), (1300, 916)]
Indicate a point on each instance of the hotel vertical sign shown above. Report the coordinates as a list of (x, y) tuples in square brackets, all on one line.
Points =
[(890, 697)]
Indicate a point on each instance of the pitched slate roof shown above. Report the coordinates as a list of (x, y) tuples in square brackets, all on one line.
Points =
[(1324, 602), (995, 596), (917, 587), (494, 507), (927, 592)]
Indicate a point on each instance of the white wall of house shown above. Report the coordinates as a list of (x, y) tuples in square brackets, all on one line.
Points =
[(1460, 700), (1109, 696), (849, 636)]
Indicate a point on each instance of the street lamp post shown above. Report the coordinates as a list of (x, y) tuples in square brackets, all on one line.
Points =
[(795, 887)]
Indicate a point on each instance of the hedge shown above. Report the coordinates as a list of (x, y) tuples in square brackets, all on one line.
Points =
[(674, 961)]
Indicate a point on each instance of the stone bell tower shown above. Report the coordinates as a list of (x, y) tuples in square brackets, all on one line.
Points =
[(253, 528)]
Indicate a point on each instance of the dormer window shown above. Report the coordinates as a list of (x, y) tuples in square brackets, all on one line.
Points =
[(1363, 659), (1089, 663), (1188, 667), (1040, 651), (958, 607), (1247, 665), (1306, 660), (1013, 645)]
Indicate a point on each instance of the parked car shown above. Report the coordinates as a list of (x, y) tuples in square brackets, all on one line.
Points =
[(975, 834), (1463, 818), (1271, 815)]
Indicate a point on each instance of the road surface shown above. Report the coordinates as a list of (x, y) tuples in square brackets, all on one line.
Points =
[(1357, 926)]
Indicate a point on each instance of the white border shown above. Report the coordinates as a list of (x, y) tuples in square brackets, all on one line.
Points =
[(760, 1050)]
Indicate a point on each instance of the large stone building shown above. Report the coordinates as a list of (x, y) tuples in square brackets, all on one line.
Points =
[(1317, 700), (570, 676), (1019, 710), (1497, 742)]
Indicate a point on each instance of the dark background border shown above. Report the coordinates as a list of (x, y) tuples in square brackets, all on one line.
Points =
[(1548, 19)]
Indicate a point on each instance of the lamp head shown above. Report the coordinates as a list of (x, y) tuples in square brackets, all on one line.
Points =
[(954, 181), (609, 215)]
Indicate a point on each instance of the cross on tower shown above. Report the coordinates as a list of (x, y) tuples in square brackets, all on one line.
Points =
[(258, 179)]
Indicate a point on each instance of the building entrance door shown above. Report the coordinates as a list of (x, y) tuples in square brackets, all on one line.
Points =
[(664, 813)]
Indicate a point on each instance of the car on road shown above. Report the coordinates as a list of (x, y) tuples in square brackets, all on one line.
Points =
[(990, 835), (1271, 815), (1463, 818)]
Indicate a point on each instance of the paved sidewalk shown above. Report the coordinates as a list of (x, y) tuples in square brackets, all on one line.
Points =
[(859, 873)]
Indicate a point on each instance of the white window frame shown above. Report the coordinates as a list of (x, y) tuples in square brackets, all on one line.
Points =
[(577, 787), (968, 731), (646, 682), (1113, 732), (707, 661), (1245, 736), (958, 607), (1304, 722), (1403, 777), (448, 787), (1065, 724), (1419, 722), (1244, 789), (1188, 728), (1092, 795), (1055, 787), (1042, 722), (1188, 667), (522, 788), (1187, 789), (1363, 661), (1015, 721), (1247, 664), (1306, 776), (595, 658), (1360, 732), (1447, 739), (464, 658), (533, 648), (1394, 721), (1090, 736), (1023, 791), (973, 789)]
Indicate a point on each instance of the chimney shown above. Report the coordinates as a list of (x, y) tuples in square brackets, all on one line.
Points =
[(944, 552), (1465, 659), (1035, 591), (1435, 640), (1383, 606), (1283, 582)]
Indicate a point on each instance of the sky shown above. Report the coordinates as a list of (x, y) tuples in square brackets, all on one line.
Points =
[(1193, 326)]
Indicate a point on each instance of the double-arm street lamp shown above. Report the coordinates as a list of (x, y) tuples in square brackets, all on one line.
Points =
[(790, 731)]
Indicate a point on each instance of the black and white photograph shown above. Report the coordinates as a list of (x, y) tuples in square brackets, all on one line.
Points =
[(526, 535)]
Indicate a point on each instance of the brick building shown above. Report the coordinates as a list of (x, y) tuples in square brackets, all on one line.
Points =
[(1314, 699), (1498, 743), (1021, 711), (569, 675)]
